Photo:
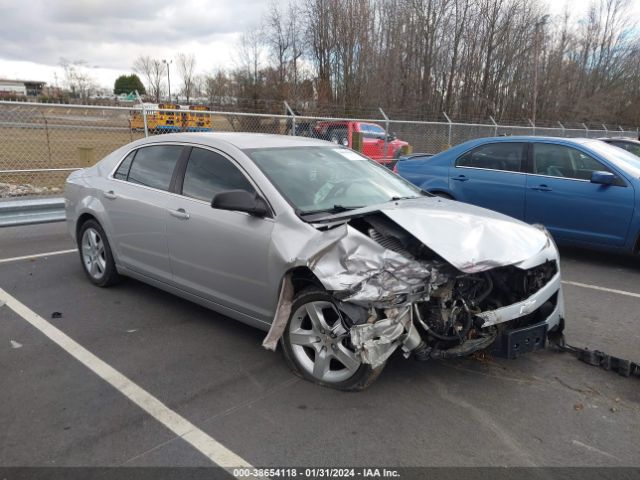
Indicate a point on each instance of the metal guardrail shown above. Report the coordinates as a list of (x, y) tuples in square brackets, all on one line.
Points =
[(31, 211)]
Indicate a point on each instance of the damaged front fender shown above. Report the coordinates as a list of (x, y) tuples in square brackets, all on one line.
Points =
[(432, 257)]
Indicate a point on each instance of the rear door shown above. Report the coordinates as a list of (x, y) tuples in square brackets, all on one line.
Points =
[(216, 254), (492, 176), (136, 201), (561, 196)]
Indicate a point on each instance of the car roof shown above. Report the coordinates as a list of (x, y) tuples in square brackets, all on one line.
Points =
[(620, 139), (240, 140), (529, 138), (522, 138)]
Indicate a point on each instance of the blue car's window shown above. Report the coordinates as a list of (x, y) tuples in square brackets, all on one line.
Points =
[(506, 156), (620, 158), (209, 173), (562, 161), (153, 166), (628, 146)]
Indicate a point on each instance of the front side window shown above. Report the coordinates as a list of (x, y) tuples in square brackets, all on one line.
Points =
[(505, 156), (209, 173), (562, 161), (314, 179), (371, 130), (153, 166)]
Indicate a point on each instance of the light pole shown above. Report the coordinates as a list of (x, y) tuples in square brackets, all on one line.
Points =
[(167, 63), (539, 23)]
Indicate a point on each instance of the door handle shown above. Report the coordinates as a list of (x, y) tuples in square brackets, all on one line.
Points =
[(460, 178), (110, 195), (179, 213), (541, 188)]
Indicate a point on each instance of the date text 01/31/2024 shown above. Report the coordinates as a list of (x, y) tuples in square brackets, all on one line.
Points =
[(316, 472)]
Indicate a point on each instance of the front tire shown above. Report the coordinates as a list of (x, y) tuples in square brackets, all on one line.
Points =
[(95, 255), (317, 346)]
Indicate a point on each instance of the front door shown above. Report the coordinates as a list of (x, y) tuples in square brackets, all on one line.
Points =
[(561, 196), (219, 255)]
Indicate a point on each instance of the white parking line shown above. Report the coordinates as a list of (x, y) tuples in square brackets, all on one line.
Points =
[(37, 255), (202, 442), (602, 289)]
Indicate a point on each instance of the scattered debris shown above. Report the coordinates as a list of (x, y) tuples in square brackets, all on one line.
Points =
[(8, 190), (132, 330), (15, 344), (623, 367), (56, 315), (578, 406)]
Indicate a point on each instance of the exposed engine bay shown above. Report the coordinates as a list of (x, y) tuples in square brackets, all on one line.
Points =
[(393, 291)]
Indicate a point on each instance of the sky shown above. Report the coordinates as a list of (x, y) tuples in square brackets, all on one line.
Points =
[(110, 34)]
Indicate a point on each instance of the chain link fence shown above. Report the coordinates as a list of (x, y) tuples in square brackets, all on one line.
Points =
[(42, 143)]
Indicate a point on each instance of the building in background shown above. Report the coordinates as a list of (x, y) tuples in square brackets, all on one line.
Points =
[(21, 88)]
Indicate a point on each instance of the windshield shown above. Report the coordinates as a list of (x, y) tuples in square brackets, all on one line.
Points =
[(316, 179), (620, 157)]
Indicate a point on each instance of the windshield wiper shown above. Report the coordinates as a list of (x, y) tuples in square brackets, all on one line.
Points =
[(334, 209), (393, 199)]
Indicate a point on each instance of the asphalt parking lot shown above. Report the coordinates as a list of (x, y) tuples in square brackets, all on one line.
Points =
[(545, 409)]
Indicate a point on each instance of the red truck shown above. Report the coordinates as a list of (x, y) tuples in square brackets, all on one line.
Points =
[(374, 138)]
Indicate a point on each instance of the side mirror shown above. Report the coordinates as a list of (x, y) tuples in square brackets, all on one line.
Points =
[(240, 201), (602, 178), (391, 137)]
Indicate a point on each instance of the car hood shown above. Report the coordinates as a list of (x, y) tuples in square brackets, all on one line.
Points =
[(470, 238)]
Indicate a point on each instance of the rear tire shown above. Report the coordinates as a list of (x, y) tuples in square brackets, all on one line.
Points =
[(317, 347), (95, 255)]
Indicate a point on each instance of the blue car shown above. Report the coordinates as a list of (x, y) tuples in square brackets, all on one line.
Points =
[(584, 191)]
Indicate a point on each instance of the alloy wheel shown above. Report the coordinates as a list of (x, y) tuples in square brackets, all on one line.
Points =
[(320, 343), (93, 253)]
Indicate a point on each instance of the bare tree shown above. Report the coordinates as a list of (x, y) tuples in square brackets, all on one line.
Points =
[(76, 79), (186, 65), (216, 88), (471, 58), (153, 70)]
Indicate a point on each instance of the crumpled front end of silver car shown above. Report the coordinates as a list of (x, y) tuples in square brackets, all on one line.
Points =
[(441, 288)]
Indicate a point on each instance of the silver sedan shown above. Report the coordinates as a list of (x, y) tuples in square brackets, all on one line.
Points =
[(339, 260)]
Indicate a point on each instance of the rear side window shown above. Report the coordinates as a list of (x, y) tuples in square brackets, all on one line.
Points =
[(153, 166), (505, 156), (562, 161), (123, 170), (209, 173)]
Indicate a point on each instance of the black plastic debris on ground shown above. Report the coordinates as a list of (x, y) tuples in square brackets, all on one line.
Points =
[(626, 368)]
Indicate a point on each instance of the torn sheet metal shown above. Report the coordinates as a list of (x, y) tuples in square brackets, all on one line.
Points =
[(375, 342), (370, 274), (283, 311)]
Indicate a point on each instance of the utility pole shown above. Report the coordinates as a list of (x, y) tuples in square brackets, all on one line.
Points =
[(167, 63), (536, 41)]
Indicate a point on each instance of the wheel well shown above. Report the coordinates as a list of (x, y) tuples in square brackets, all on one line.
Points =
[(302, 277), (82, 219)]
